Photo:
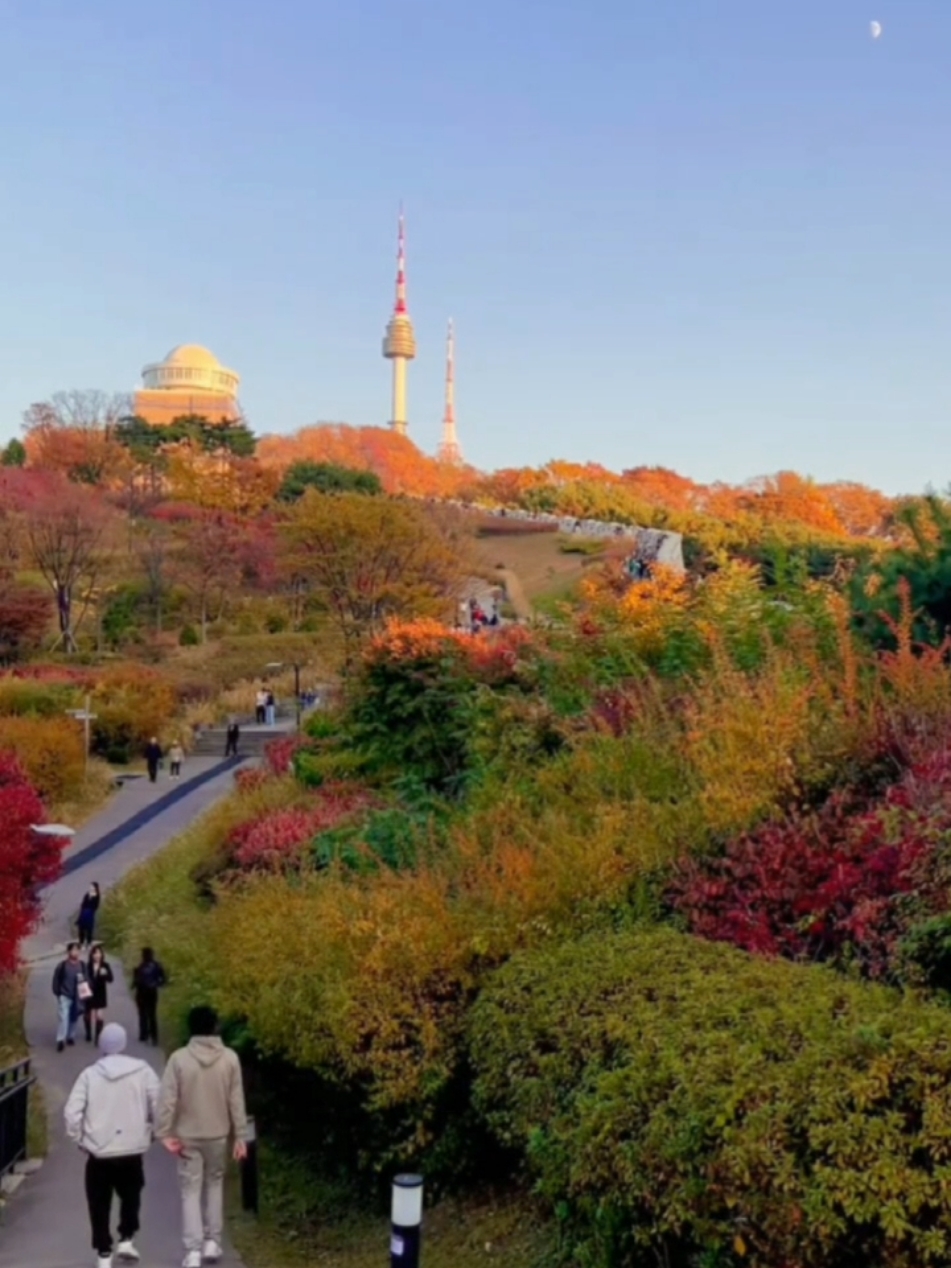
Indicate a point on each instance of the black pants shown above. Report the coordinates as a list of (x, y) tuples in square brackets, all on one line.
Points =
[(146, 1001), (123, 1177), (153, 771), (231, 748), (259, 714)]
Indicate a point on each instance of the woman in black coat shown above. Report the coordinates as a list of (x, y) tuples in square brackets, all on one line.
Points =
[(99, 976), (86, 924)]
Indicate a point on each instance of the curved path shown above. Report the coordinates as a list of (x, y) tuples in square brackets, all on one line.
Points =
[(46, 1224)]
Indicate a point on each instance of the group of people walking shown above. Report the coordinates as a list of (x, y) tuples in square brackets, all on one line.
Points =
[(81, 988), (118, 1106), (154, 756), (265, 707)]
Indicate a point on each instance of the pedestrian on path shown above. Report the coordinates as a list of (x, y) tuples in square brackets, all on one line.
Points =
[(99, 975), (176, 755), (201, 1105), (260, 706), (153, 755), (86, 921), (71, 990), (270, 708), (231, 739), (148, 978), (110, 1115)]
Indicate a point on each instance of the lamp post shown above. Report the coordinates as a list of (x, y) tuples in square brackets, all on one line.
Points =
[(85, 717), (274, 666), (406, 1221)]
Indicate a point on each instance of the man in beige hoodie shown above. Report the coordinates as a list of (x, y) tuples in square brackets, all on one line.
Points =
[(200, 1106)]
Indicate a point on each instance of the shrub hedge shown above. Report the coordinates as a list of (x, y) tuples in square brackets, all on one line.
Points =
[(681, 1096)]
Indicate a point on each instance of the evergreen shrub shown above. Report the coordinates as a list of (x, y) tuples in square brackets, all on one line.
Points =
[(681, 1096)]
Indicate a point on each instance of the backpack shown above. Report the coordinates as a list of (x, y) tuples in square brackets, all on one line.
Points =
[(150, 976)]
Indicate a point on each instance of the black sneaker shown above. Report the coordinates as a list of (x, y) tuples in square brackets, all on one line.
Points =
[(60, 1045), (71, 1043)]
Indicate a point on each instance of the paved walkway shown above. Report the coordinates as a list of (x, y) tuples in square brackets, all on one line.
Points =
[(46, 1224)]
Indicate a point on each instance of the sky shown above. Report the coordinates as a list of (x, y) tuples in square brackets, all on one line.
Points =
[(711, 235)]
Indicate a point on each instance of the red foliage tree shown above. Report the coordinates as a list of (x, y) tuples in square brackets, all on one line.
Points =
[(27, 859), (25, 616)]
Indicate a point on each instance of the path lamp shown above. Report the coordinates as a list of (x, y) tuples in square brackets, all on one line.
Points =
[(85, 717), (274, 667), (406, 1221)]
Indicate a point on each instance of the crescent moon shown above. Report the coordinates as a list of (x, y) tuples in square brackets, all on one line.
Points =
[(876, 29)]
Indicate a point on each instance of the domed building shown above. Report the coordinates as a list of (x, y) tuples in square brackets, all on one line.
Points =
[(191, 380)]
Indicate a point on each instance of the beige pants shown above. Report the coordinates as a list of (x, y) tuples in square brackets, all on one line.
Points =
[(201, 1178)]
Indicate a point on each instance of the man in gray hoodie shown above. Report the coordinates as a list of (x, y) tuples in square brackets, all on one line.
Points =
[(110, 1114), (200, 1107)]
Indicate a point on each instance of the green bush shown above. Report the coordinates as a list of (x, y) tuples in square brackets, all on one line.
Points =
[(27, 697), (188, 637), (680, 1096)]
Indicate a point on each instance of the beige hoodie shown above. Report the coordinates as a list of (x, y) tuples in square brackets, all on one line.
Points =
[(202, 1095)]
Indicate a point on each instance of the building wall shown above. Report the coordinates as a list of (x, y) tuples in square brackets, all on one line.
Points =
[(163, 407)]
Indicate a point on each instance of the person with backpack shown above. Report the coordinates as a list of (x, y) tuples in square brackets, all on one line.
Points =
[(148, 978)]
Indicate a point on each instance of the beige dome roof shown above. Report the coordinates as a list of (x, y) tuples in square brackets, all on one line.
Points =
[(191, 368), (192, 354)]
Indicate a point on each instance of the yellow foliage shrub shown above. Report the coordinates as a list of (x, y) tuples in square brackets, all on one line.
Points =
[(51, 751)]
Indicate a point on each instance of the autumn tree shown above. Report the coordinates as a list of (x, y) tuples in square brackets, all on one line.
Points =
[(64, 530), (73, 433), (207, 559), (366, 559), (28, 859), (26, 614)]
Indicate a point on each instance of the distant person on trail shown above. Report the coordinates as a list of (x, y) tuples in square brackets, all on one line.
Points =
[(270, 708), (176, 755), (260, 706), (99, 976), (110, 1115), (231, 739), (153, 755), (201, 1105), (71, 990), (86, 922), (148, 977)]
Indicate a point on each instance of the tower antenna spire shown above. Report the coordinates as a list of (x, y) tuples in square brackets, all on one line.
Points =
[(399, 342), (449, 450)]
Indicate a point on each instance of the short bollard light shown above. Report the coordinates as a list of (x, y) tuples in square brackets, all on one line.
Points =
[(249, 1170), (407, 1219)]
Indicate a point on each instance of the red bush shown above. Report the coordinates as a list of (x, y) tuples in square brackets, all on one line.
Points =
[(279, 754), (834, 885), (277, 839), (27, 860)]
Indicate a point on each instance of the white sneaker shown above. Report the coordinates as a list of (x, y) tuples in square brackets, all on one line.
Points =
[(125, 1250), (103, 1261), (192, 1259), (211, 1252)]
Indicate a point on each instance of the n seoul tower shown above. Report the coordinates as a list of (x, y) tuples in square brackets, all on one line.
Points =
[(399, 343), (449, 450)]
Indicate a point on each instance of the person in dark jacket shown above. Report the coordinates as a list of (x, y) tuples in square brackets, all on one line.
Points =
[(153, 755), (147, 979), (231, 739), (98, 975), (71, 990), (86, 923)]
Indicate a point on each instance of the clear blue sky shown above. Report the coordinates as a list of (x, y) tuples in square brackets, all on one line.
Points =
[(710, 234)]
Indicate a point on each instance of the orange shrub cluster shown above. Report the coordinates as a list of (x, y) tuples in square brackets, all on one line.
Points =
[(50, 750)]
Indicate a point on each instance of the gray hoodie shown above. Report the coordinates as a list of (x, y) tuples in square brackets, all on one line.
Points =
[(112, 1108), (202, 1093)]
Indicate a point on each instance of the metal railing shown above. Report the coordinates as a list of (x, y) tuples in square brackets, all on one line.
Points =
[(15, 1083)]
